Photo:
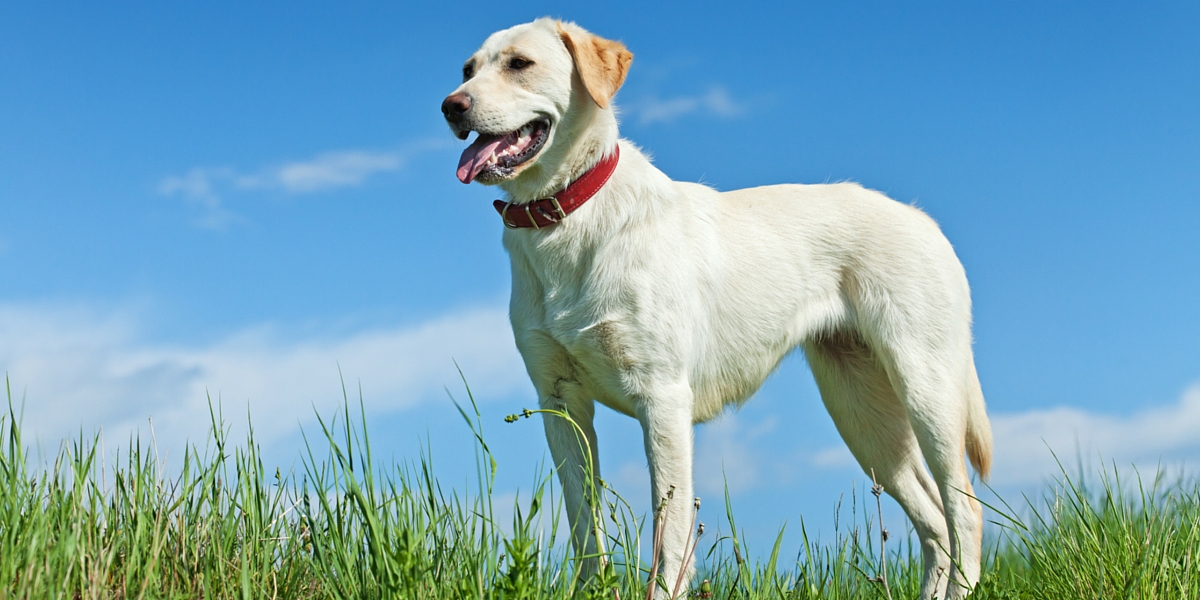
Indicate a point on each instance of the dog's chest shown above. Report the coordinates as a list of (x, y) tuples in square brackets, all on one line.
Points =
[(600, 338), (602, 354), (592, 316)]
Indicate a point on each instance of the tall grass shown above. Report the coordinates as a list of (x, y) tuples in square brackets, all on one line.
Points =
[(224, 526)]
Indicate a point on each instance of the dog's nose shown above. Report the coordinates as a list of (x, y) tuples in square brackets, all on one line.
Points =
[(455, 106)]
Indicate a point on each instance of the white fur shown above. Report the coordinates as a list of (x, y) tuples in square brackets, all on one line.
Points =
[(669, 301)]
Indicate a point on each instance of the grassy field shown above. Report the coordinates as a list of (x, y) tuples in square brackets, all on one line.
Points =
[(225, 526)]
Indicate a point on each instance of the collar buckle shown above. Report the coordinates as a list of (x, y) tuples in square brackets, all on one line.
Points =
[(504, 216)]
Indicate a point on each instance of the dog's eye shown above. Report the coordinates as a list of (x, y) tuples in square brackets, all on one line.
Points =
[(468, 71), (517, 63)]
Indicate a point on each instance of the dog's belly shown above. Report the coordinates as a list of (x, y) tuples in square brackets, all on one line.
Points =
[(609, 365), (605, 373), (732, 381)]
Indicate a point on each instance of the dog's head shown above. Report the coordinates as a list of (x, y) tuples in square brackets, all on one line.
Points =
[(529, 92)]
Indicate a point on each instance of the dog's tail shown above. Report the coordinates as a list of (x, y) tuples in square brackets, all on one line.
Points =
[(979, 429)]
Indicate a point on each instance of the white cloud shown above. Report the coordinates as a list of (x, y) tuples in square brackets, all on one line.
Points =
[(834, 457), (206, 187), (724, 455), (77, 369), (196, 187), (1164, 435), (1026, 443), (327, 171), (715, 102)]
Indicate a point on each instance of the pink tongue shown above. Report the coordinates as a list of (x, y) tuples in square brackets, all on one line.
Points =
[(476, 156)]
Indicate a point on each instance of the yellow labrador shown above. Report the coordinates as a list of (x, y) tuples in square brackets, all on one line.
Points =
[(669, 301)]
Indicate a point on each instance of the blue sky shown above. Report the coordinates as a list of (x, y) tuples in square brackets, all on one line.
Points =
[(240, 199)]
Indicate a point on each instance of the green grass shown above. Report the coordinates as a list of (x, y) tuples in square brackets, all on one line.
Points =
[(224, 526)]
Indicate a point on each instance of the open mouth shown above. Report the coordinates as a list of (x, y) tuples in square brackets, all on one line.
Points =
[(494, 157)]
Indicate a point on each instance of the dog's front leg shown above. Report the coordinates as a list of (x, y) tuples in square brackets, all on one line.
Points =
[(569, 430), (573, 447), (666, 418)]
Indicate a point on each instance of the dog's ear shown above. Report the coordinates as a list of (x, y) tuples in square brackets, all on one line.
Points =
[(602, 64)]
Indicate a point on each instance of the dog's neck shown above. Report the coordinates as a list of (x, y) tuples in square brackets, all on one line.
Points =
[(590, 137)]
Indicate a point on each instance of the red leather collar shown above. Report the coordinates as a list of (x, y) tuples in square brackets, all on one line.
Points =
[(545, 212)]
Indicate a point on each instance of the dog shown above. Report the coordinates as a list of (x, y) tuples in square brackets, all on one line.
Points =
[(669, 301)]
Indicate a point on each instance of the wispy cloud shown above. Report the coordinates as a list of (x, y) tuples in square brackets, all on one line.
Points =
[(198, 187), (716, 102), (1164, 435), (725, 455), (327, 171), (80, 369), (1027, 443), (205, 188)]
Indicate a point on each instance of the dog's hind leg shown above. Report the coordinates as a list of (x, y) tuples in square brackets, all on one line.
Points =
[(934, 381), (871, 419)]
